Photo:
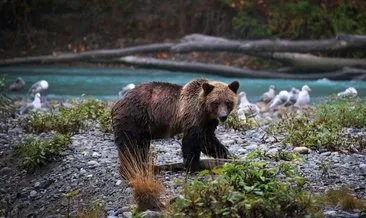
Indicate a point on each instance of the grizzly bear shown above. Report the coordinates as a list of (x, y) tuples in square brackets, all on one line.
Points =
[(158, 110)]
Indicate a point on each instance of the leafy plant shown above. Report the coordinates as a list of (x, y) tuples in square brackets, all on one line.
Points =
[(71, 120), (234, 122), (34, 153), (249, 189), (323, 129)]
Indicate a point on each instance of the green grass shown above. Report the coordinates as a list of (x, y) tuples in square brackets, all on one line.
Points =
[(34, 153), (323, 129), (71, 120)]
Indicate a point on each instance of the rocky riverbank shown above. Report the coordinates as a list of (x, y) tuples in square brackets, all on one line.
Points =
[(90, 165)]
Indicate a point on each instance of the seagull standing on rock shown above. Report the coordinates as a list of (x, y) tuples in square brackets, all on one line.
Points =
[(279, 99), (245, 108), (125, 89), (17, 85), (304, 97), (39, 87), (292, 98), (269, 95), (34, 105), (348, 92)]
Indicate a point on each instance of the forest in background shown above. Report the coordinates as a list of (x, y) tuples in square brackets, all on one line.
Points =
[(34, 27)]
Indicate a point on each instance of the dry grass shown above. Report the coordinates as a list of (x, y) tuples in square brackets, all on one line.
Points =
[(139, 174), (344, 199)]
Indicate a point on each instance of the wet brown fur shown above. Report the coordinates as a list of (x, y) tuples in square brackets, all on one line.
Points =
[(161, 110)]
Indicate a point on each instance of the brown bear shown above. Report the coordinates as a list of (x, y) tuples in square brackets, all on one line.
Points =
[(158, 110)]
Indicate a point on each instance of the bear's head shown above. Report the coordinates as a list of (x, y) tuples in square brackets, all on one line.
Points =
[(220, 99)]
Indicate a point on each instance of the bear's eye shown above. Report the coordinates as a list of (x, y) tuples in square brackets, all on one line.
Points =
[(229, 104), (215, 104)]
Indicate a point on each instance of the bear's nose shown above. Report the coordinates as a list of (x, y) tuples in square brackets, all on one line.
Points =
[(222, 118)]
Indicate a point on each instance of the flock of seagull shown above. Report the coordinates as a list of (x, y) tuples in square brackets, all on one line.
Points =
[(269, 100)]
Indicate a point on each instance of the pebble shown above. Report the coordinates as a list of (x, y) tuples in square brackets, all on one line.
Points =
[(118, 182), (251, 147), (127, 214), (340, 214), (37, 184), (93, 163), (33, 193), (301, 150), (96, 154), (363, 167), (151, 214), (272, 151), (327, 153), (242, 151), (5, 170)]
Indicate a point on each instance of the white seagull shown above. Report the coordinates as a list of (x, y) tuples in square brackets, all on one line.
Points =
[(34, 105), (269, 95), (17, 85), (348, 92), (304, 97), (39, 87), (292, 98), (125, 89), (279, 99), (245, 108)]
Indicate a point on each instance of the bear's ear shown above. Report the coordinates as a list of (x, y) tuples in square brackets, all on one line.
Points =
[(234, 86), (207, 88)]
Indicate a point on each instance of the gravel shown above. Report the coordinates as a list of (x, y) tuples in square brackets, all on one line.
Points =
[(90, 165)]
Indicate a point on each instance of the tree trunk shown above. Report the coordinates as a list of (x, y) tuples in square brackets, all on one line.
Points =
[(222, 70), (198, 42)]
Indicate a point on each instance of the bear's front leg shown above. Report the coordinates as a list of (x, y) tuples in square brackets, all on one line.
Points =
[(191, 148), (213, 147)]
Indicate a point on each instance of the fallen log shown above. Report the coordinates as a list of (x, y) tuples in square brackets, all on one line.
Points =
[(88, 55), (312, 63), (198, 42), (229, 71)]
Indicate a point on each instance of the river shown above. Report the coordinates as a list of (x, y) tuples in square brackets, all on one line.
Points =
[(104, 83)]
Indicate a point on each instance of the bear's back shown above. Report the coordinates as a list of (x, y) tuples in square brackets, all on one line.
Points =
[(150, 106)]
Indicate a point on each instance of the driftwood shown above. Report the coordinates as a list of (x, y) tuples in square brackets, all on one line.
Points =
[(319, 67), (198, 42), (222, 70), (88, 55), (308, 62)]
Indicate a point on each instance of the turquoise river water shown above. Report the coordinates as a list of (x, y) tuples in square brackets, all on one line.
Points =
[(104, 83)]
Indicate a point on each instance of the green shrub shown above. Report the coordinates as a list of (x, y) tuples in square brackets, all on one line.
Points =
[(344, 112), (6, 104), (71, 120), (234, 122), (324, 128), (245, 190), (34, 152), (278, 156)]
